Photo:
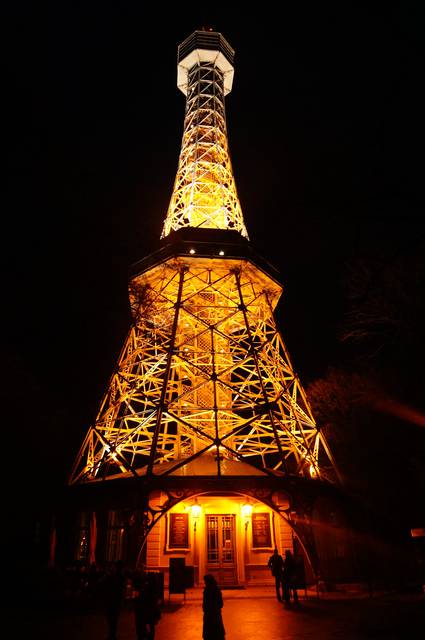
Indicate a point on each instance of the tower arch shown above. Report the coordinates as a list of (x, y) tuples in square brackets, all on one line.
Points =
[(256, 522)]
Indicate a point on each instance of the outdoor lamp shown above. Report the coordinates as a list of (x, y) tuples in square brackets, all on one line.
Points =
[(246, 513), (196, 512)]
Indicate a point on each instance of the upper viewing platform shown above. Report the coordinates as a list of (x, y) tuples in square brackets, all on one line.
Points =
[(205, 46)]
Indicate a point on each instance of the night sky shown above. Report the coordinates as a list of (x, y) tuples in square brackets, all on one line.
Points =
[(325, 126)]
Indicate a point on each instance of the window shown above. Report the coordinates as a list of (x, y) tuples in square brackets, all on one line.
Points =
[(115, 536), (83, 533)]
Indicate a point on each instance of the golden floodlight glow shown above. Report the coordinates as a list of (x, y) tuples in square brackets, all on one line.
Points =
[(204, 383), (204, 370), (204, 193)]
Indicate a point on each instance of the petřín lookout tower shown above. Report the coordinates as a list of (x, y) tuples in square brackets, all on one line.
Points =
[(204, 418)]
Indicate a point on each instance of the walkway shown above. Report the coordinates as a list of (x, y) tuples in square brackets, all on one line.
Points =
[(250, 614)]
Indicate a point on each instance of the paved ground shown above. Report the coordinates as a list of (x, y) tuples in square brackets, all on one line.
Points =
[(249, 614)]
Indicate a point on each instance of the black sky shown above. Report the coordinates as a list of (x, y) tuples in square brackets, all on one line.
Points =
[(325, 126)]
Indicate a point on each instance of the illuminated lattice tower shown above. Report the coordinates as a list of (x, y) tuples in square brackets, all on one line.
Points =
[(204, 381)]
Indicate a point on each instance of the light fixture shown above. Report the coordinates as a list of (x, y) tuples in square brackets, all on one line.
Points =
[(246, 510), (192, 251), (196, 510), (221, 253), (246, 513)]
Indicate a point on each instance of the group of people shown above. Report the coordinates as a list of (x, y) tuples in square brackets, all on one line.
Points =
[(146, 597), (146, 600), (285, 575)]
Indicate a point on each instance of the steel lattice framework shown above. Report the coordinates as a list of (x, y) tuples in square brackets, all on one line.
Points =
[(204, 193), (204, 373)]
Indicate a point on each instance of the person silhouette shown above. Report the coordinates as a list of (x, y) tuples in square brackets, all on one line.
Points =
[(146, 605), (212, 604), (275, 563), (289, 578), (113, 588)]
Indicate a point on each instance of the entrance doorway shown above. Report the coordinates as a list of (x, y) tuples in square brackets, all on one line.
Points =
[(221, 551)]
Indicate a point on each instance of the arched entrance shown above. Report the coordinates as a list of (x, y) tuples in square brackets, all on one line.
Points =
[(230, 534)]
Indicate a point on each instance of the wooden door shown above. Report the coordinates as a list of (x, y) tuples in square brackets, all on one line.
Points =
[(221, 549)]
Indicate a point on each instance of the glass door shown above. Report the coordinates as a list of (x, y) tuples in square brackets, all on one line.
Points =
[(221, 549)]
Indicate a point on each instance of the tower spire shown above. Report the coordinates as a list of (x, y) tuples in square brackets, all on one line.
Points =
[(204, 193)]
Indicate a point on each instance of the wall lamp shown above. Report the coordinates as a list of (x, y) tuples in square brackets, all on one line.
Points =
[(195, 510), (246, 513)]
